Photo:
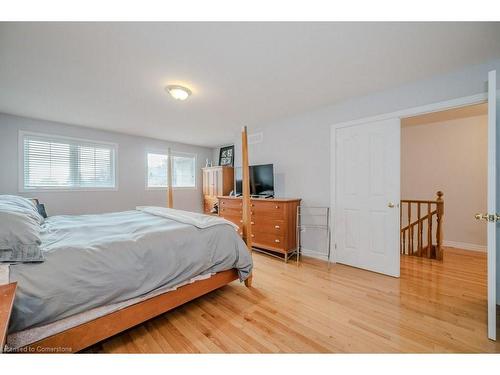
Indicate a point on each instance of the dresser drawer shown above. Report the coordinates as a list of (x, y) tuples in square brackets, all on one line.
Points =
[(267, 240), (230, 211), (270, 210), (231, 203), (264, 225), (235, 220)]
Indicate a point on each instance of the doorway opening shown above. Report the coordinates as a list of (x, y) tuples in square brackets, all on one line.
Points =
[(444, 198), (367, 163), (444, 181)]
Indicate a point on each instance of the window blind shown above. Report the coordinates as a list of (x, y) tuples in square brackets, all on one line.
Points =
[(51, 163), (184, 167)]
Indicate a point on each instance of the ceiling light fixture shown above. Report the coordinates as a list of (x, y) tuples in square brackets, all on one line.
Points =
[(178, 92)]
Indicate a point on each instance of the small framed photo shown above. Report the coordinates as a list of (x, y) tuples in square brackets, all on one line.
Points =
[(226, 156)]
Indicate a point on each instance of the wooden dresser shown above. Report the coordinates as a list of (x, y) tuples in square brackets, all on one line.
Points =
[(216, 181), (274, 221)]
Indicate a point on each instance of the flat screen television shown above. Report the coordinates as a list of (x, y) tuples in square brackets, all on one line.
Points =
[(261, 180)]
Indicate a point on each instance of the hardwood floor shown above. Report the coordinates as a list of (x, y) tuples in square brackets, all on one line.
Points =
[(434, 307)]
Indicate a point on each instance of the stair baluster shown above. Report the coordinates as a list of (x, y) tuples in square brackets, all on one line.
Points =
[(428, 246)]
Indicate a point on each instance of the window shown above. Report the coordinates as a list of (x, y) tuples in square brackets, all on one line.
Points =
[(51, 162), (183, 176)]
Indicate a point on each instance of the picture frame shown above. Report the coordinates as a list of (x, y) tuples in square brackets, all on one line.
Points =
[(226, 156)]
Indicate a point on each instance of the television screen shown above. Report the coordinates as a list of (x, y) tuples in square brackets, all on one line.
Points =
[(261, 180), (238, 179)]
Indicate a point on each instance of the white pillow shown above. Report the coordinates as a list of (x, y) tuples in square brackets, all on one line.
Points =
[(23, 203), (18, 200), (19, 234)]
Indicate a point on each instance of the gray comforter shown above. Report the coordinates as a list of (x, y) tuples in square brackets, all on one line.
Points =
[(94, 260)]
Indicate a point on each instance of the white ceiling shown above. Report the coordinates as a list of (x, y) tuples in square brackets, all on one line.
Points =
[(112, 75)]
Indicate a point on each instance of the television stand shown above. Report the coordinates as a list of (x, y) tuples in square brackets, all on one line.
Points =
[(273, 222)]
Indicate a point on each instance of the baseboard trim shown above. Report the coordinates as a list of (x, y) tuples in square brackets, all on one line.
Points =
[(465, 246), (313, 254)]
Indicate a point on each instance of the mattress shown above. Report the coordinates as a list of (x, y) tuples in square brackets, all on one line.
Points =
[(93, 261)]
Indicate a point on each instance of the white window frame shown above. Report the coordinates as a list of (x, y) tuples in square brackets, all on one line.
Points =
[(23, 189), (173, 153)]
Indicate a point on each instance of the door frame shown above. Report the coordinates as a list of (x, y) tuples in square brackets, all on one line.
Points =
[(492, 206), (408, 112)]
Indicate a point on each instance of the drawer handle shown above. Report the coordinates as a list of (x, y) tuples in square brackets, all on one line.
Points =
[(277, 241), (241, 221), (276, 206), (253, 235), (252, 223), (277, 227)]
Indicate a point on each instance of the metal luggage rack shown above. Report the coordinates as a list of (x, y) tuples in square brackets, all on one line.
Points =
[(320, 220), (285, 257)]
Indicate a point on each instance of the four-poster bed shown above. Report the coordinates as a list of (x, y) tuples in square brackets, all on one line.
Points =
[(81, 332), (246, 225), (170, 190)]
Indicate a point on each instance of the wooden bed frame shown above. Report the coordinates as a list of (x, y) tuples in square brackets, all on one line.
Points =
[(84, 335)]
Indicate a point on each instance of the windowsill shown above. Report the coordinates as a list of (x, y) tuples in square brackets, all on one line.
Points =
[(175, 188), (61, 190)]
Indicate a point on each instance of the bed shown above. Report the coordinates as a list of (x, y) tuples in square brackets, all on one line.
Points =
[(103, 274)]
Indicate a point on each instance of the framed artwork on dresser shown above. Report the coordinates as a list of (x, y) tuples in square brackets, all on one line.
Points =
[(226, 156)]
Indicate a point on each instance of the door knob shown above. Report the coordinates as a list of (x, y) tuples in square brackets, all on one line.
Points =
[(488, 217), (390, 205), (481, 216)]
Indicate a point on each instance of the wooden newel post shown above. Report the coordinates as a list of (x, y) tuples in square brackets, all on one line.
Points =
[(247, 228), (439, 229)]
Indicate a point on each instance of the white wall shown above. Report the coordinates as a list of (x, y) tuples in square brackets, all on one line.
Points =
[(131, 170), (300, 146), (450, 156)]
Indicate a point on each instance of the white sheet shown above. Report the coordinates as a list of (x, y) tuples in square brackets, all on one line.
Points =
[(198, 220), (4, 274)]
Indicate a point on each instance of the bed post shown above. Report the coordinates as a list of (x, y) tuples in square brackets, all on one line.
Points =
[(247, 228), (170, 194)]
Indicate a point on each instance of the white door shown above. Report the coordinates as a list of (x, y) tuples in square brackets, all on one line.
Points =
[(493, 196), (366, 161)]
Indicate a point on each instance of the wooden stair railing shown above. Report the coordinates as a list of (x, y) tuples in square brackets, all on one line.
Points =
[(420, 216)]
